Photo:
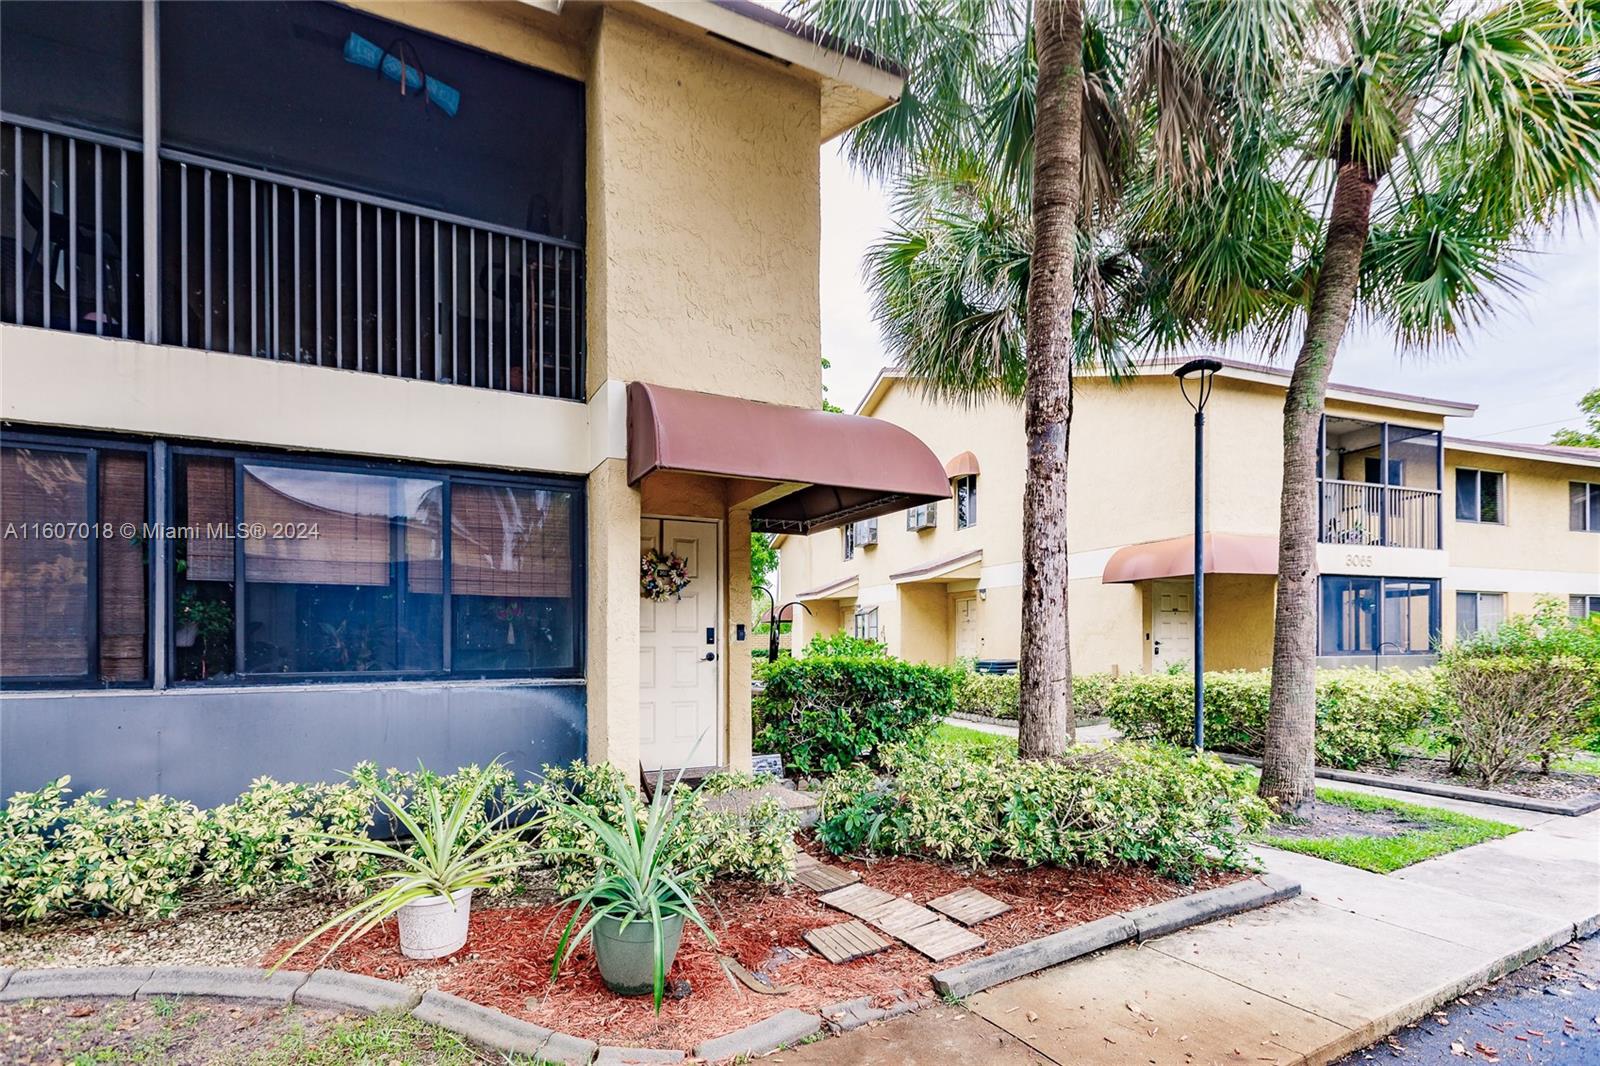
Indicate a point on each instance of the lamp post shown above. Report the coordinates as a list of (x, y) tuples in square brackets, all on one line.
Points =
[(1203, 370)]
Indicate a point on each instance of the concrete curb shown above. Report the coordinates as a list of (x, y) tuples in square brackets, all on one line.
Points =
[(223, 983), (1140, 925), (851, 1014), (491, 1028), (338, 990), (769, 1034), (1572, 808)]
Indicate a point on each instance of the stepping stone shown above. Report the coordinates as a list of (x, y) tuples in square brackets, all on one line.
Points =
[(900, 916), (821, 877), (846, 941), (857, 900), (968, 906), (939, 939)]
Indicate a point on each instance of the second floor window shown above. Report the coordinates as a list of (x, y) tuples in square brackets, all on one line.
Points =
[(849, 534), (966, 494), (1480, 496), (1479, 612), (866, 623), (1584, 515)]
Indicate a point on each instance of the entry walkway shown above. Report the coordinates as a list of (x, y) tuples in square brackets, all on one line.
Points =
[(1355, 956)]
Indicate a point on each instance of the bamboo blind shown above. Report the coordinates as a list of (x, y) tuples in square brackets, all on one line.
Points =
[(44, 581), (510, 542), (123, 610), (209, 483)]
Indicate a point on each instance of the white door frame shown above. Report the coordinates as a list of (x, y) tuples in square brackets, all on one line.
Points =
[(1187, 586), (720, 647)]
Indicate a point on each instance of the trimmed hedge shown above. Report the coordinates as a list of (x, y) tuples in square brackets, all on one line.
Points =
[(826, 711), (1363, 716), (998, 695), (1135, 803)]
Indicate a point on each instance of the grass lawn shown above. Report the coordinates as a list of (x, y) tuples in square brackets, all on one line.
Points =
[(1441, 831), (960, 736)]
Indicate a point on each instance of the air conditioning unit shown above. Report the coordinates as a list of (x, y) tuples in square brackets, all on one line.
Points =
[(867, 533), (924, 517)]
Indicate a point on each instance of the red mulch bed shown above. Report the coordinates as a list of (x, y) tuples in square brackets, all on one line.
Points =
[(506, 962)]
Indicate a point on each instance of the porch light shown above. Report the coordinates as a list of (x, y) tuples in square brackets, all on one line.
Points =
[(1203, 371)]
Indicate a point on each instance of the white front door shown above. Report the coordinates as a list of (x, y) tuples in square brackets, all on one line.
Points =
[(967, 627), (1172, 623), (680, 650)]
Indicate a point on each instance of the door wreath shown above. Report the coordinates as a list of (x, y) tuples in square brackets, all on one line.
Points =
[(662, 575)]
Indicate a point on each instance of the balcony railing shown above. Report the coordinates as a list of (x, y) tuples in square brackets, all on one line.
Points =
[(259, 264), (1393, 516)]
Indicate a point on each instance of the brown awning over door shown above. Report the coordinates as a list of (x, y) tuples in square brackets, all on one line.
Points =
[(849, 467), (1226, 553)]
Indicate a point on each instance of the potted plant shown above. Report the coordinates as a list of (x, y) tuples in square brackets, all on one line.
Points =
[(635, 909), (429, 883)]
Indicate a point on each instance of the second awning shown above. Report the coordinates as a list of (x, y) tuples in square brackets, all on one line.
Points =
[(1226, 553)]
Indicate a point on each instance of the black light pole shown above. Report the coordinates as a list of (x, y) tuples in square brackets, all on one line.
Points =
[(1205, 369)]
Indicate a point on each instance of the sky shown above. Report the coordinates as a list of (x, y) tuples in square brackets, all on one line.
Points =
[(1525, 369)]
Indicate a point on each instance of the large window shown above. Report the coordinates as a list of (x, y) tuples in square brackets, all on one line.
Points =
[(1480, 496), (363, 572), (966, 494), (74, 582), (1479, 612), (1584, 512), (1379, 616)]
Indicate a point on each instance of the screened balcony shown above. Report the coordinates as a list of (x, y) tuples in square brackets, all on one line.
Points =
[(1380, 484), (356, 195)]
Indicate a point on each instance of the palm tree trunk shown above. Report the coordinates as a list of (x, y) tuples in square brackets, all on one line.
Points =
[(1290, 746), (1045, 713)]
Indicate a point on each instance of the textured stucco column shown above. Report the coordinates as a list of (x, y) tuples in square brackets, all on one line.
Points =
[(738, 673), (613, 660)]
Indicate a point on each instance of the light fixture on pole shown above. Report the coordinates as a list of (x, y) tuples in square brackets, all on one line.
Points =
[(1203, 370)]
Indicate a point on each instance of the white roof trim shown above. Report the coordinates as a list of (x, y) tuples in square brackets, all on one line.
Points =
[(1542, 453), (781, 45)]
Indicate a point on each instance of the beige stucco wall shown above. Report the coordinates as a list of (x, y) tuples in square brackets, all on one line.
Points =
[(1533, 553), (1130, 480), (704, 218)]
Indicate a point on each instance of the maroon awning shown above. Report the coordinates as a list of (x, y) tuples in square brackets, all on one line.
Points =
[(1226, 553), (849, 467)]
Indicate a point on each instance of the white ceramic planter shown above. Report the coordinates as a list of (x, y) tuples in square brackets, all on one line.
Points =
[(435, 927)]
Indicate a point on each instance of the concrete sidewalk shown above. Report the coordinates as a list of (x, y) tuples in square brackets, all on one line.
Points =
[(1305, 981)]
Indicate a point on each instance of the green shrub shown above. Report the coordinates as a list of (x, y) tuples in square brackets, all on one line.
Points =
[(1529, 689), (1133, 803), (757, 845), (842, 643), (825, 711), (270, 838), (1363, 716), (990, 695)]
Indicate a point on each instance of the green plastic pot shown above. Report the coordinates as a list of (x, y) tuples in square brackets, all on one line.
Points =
[(627, 956)]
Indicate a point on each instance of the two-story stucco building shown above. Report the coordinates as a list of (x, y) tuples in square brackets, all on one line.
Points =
[(352, 355), (1423, 534)]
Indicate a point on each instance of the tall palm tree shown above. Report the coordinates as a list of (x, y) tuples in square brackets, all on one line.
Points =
[(1013, 137), (1003, 83), (1405, 151)]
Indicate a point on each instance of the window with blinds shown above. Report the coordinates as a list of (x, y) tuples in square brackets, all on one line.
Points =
[(74, 581), (367, 572)]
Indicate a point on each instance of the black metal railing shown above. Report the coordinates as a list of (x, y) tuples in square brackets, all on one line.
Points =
[(71, 230), (1394, 516), (256, 263)]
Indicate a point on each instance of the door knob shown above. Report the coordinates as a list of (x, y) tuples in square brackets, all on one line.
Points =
[(710, 656)]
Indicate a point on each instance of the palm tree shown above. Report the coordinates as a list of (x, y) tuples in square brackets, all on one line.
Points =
[(997, 82), (1012, 142), (1403, 151)]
